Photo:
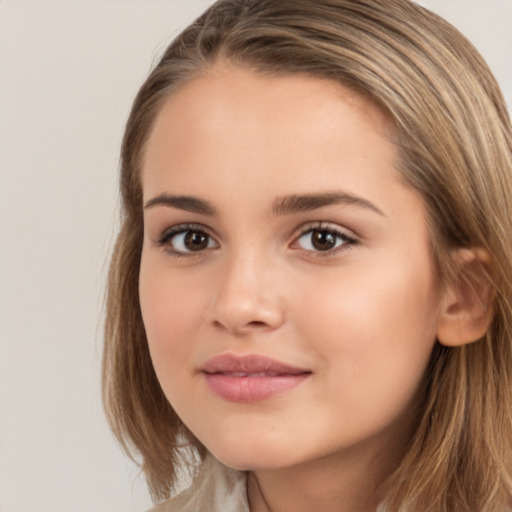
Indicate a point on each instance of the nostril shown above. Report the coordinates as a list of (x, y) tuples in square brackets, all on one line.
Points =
[(249, 325), (256, 324), (217, 324)]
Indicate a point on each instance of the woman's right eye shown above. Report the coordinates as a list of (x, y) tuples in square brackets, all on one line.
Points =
[(183, 240)]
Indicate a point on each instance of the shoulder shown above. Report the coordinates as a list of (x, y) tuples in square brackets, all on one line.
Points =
[(216, 488)]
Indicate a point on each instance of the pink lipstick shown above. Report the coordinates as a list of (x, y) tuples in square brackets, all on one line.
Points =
[(250, 378)]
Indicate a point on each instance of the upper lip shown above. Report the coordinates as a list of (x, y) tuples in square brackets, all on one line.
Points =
[(249, 364)]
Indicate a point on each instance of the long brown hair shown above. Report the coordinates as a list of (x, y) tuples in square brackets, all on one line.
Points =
[(455, 140)]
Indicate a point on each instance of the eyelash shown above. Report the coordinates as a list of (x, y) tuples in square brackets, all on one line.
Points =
[(164, 240)]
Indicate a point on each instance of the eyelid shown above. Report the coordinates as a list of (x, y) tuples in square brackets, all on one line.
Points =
[(327, 226)]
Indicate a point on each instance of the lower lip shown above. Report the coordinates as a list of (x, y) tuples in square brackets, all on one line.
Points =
[(252, 389)]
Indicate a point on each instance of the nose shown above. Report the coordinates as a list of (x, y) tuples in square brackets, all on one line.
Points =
[(246, 297)]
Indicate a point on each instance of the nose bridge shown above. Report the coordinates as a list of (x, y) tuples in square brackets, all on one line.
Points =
[(246, 295)]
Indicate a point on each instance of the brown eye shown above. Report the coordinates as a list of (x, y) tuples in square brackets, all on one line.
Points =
[(184, 240), (196, 240), (324, 240)]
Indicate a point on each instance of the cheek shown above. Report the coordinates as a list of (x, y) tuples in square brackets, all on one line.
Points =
[(375, 343), (169, 313), (373, 324)]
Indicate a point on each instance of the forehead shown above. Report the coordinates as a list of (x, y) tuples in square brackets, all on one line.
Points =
[(265, 109)]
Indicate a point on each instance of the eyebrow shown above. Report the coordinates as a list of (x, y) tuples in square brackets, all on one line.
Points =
[(284, 205), (306, 202), (187, 203)]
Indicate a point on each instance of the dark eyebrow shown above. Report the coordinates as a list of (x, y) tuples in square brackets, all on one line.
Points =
[(187, 203), (306, 202)]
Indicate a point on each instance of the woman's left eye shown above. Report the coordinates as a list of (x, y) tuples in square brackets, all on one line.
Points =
[(323, 240)]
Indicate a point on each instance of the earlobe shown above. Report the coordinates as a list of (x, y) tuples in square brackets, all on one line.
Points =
[(467, 304)]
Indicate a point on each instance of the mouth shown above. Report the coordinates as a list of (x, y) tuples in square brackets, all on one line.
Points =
[(250, 378)]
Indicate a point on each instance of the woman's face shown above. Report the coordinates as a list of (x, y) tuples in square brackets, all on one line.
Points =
[(286, 284)]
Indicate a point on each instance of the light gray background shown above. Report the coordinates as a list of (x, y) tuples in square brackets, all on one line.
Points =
[(69, 70)]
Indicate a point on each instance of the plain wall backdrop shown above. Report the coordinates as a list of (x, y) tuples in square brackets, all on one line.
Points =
[(69, 70)]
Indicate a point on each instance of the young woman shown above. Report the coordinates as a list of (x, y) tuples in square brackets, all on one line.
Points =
[(310, 299)]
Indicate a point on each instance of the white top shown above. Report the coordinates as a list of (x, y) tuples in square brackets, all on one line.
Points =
[(216, 488)]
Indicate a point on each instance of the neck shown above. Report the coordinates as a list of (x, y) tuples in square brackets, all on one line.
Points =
[(344, 482)]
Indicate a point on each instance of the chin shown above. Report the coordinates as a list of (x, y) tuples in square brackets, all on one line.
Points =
[(253, 456)]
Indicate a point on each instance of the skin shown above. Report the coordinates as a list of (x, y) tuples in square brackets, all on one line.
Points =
[(361, 317)]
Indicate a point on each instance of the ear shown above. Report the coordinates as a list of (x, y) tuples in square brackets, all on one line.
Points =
[(467, 303)]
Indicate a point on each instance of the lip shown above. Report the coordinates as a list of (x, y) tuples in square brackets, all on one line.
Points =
[(250, 378)]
